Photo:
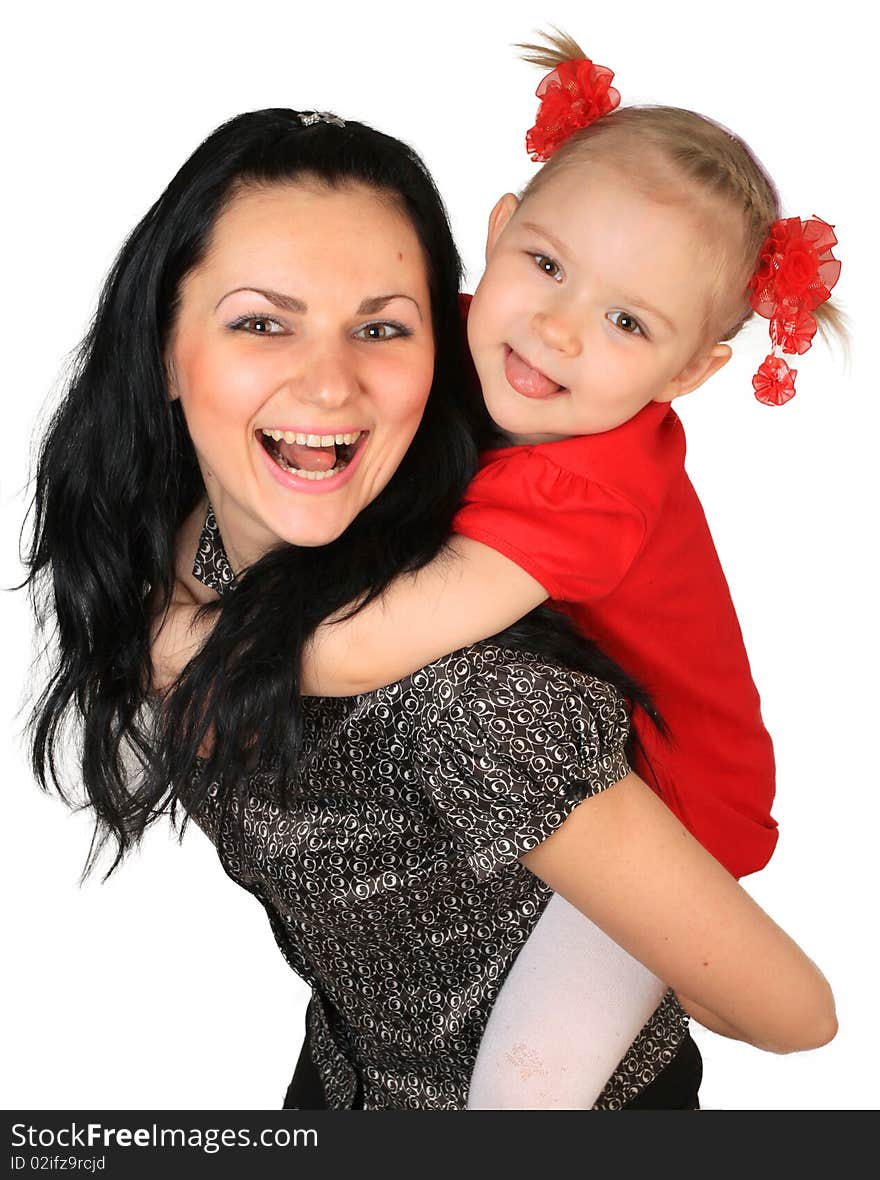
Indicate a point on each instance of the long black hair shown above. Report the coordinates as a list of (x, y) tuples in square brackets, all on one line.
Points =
[(117, 475)]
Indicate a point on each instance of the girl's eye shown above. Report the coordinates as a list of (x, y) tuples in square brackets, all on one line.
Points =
[(549, 266), (626, 323), (258, 325), (385, 330)]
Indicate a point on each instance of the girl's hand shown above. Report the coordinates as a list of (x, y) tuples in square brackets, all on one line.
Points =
[(175, 638), (175, 635)]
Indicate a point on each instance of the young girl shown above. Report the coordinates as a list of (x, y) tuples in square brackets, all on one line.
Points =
[(610, 289), (607, 292)]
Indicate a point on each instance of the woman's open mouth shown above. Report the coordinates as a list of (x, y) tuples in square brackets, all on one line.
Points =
[(311, 456)]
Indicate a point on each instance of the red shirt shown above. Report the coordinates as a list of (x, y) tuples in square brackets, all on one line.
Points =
[(611, 527)]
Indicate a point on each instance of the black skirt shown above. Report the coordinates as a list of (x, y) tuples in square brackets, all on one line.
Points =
[(676, 1087)]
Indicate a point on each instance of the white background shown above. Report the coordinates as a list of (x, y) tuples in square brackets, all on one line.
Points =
[(163, 988)]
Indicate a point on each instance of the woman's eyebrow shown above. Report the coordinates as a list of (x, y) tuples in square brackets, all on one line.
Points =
[(290, 303), (377, 302), (286, 302)]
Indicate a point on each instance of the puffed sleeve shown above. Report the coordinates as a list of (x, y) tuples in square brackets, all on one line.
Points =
[(576, 536), (508, 752)]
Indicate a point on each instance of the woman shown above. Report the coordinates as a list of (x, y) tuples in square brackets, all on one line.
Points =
[(298, 276)]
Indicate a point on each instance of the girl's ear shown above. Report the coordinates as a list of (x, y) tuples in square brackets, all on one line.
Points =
[(695, 372), (498, 219)]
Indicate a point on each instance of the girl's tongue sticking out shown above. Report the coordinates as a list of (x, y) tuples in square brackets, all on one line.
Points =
[(525, 380)]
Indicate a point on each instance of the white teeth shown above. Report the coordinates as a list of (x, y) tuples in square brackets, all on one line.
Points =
[(312, 440)]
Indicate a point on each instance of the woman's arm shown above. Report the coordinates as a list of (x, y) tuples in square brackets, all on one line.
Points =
[(625, 861), (466, 594), (709, 1019)]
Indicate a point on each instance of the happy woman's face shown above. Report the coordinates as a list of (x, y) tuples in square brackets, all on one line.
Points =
[(303, 355)]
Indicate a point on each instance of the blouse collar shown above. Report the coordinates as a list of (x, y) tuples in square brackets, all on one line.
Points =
[(211, 565)]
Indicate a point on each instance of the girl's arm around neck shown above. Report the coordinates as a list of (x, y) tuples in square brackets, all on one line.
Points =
[(626, 862), (176, 636), (468, 593), (179, 632)]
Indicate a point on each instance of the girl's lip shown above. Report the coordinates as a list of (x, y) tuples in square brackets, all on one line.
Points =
[(315, 487)]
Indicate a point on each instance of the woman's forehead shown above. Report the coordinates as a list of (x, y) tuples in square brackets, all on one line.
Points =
[(310, 212), (307, 233)]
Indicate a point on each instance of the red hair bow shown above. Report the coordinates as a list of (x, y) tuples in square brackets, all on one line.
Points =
[(574, 95), (796, 271)]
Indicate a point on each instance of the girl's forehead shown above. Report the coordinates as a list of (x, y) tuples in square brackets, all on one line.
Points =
[(624, 205), (622, 232)]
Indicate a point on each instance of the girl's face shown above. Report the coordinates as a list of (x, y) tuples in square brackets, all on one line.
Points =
[(303, 356), (594, 303)]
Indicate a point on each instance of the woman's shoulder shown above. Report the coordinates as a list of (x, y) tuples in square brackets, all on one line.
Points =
[(505, 743), (493, 683)]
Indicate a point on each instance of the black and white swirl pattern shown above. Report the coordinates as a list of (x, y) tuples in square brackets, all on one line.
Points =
[(211, 565), (392, 880)]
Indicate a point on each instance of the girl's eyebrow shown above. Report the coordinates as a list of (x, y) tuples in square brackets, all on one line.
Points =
[(534, 228), (631, 300), (368, 306), (639, 304)]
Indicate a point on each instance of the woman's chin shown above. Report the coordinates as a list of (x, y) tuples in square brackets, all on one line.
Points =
[(303, 530)]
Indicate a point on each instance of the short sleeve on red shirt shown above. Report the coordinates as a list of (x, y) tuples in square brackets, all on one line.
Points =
[(576, 536)]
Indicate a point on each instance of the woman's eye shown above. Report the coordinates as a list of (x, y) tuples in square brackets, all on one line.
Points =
[(258, 325), (549, 266), (382, 331), (626, 323)]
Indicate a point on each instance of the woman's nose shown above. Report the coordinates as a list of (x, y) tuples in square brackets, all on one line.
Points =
[(558, 331), (327, 378)]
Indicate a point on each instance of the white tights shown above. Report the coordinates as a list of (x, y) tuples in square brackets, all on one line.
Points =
[(569, 1009)]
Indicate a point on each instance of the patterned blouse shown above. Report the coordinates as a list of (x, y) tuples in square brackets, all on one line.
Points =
[(392, 881)]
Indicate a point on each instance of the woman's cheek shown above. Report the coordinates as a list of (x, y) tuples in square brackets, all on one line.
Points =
[(403, 385)]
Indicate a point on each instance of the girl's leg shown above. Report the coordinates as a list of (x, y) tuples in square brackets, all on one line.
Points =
[(569, 1009)]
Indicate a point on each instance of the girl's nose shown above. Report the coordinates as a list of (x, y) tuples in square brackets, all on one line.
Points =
[(557, 331)]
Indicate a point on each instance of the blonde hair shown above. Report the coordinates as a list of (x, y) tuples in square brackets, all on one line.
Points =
[(658, 147)]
